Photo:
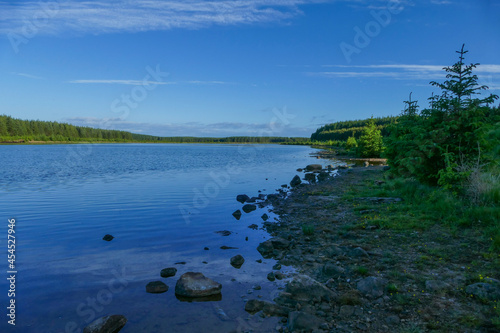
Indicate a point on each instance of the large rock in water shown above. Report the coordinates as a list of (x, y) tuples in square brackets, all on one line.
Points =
[(314, 167), (108, 324), (242, 198), (295, 181), (192, 284)]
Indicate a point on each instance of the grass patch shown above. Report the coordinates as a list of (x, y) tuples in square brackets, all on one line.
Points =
[(308, 230), (361, 270)]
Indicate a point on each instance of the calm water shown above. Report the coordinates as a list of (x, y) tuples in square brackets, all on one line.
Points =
[(163, 204)]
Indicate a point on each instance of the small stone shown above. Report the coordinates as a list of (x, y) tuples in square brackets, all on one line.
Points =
[(237, 261), (346, 310), (242, 198), (237, 214), (253, 226), (206, 248), (156, 287), (358, 253), (279, 275), (259, 261), (257, 287), (224, 247), (249, 208), (271, 276), (392, 320), (436, 285), (265, 217), (224, 232), (108, 238), (277, 267), (167, 272)]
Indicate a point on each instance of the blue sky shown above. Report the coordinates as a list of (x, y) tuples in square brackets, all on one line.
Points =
[(234, 67)]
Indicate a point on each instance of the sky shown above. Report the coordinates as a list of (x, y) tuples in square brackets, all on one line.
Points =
[(234, 67)]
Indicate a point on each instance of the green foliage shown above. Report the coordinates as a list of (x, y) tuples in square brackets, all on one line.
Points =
[(370, 144), (307, 229), (351, 143), (343, 130), (442, 144)]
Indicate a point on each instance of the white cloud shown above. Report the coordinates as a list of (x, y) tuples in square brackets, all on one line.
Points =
[(97, 17), (402, 71), (126, 82), (29, 76)]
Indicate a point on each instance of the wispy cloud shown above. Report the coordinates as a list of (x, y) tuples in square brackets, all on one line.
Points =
[(97, 17), (29, 76), (220, 129), (126, 82), (142, 82), (487, 72)]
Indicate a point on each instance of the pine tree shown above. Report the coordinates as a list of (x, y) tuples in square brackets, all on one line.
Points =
[(370, 143)]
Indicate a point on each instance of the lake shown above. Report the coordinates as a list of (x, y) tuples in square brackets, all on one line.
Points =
[(163, 204)]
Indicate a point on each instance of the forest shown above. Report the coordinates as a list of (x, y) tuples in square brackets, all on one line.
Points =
[(14, 130)]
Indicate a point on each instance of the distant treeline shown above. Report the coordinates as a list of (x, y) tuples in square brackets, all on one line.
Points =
[(342, 130), (17, 130)]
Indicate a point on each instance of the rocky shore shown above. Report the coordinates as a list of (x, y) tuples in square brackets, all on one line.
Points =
[(356, 277)]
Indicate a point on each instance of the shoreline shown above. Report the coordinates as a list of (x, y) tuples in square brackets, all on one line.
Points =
[(354, 276)]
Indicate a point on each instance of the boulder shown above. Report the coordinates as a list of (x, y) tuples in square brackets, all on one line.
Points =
[(249, 208), (254, 305), (156, 287), (265, 217), (372, 286), (194, 284), (314, 167), (295, 181), (237, 214), (108, 324), (237, 261), (358, 253), (310, 177), (332, 271), (280, 243), (167, 272), (242, 198), (266, 249), (304, 288), (436, 285), (108, 238), (301, 321), (485, 291)]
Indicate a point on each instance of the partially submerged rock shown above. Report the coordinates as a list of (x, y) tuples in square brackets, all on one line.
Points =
[(314, 167), (237, 261), (195, 284), (167, 272), (107, 324), (295, 181), (249, 208), (237, 214), (156, 287), (242, 198), (108, 238)]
